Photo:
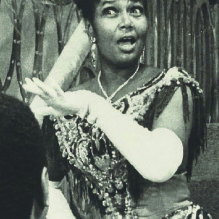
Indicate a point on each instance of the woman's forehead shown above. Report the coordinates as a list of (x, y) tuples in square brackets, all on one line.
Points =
[(103, 2)]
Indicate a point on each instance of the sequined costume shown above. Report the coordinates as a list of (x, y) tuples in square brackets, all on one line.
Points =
[(102, 183)]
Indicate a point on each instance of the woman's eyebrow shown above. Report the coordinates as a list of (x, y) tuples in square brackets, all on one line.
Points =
[(113, 1), (107, 2), (135, 1)]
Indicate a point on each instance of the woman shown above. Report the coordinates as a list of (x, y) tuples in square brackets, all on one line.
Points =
[(133, 131)]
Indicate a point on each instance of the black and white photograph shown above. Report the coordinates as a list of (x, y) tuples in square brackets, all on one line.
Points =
[(109, 109)]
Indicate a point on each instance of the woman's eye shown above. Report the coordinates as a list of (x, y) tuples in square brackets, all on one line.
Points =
[(110, 12), (137, 11)]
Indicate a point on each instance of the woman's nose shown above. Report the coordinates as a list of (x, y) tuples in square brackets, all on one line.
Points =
[(126, 21)]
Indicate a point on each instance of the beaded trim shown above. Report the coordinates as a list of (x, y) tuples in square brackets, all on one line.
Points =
[(105, 172), (140, 100), (165, 78), (192, 211)]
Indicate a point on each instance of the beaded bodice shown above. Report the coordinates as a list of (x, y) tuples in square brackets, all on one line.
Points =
[(89, 150), (103, 167)]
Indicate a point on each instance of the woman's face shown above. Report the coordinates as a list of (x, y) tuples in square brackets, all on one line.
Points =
[(120, 29)]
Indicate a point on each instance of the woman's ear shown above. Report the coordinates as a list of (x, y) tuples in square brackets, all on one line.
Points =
[(41, 199)]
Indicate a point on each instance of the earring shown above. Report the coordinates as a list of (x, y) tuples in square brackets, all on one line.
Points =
[(142, 57), (93, 51)]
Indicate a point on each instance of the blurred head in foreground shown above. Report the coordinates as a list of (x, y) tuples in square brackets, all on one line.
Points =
[(23, 173)]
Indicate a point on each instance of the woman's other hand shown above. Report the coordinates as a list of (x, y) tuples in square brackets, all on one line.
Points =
[(60, 103)]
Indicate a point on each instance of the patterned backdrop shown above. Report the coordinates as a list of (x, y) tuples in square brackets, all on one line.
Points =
[(182, 33)]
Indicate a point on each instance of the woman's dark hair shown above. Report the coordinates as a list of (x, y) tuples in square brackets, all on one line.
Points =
[(87, 7), (22, 158)]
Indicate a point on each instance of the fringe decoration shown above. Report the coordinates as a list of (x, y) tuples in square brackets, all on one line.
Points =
[(163, 98), (82, 200), (81, 196), (185, 101), (197, 139), (57, 165)]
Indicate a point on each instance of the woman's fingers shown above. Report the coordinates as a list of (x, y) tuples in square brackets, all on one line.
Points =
[(56, 87), (48, 91), (31, 87), (46, 110), (58, 102), (52, 95)]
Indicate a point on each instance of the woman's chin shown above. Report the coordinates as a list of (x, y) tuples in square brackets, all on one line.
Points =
[(128, 60)]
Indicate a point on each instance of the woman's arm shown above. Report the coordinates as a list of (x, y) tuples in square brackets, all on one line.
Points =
[(68, 63), (172, 118), (71, 59), (156, 154)]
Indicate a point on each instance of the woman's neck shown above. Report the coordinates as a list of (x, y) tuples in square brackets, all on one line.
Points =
[(110, 73)]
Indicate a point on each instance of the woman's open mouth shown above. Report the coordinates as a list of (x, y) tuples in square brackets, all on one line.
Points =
[(127, 43)]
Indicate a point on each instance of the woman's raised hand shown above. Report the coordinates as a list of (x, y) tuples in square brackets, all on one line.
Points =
[(58, 102)]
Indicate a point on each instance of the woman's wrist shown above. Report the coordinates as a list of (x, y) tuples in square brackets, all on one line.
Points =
[(107, 114), (98, 108)]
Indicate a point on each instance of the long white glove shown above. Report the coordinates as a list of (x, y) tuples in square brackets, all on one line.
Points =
[(67, 66), (156, 154)]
